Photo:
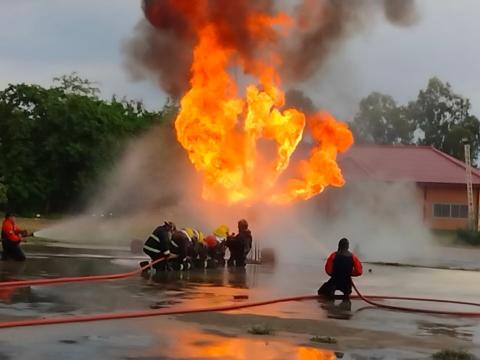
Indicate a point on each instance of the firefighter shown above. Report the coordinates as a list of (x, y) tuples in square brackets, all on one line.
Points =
[(158, 244), (239, 245), (183, 246), (340, 266), (199, 250), (215, 245), (218, 251), (12, 236)]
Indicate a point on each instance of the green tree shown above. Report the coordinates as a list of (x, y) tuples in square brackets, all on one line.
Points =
[(56, 142), (74, 84), (3, 193), (443, 119), (380, 121)]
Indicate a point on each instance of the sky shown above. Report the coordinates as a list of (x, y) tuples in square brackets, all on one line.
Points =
[(43, 39)]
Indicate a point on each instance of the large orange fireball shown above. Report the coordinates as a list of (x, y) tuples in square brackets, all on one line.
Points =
[(240, 137)]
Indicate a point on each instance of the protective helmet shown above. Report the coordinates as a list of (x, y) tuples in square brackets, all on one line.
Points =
[(190, 232), (221, 231), (196, 235), (211, 241), (170, 226), (243, 224)]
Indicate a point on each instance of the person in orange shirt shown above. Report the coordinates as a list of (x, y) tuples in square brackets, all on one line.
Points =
[(11, 238), (341, 265)]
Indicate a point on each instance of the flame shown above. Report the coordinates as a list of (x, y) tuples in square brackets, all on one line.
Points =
[(242, 146)]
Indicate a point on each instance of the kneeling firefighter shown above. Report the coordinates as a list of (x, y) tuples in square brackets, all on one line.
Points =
[(341, 266), (215, 245), (198, 249), (183, 245), (158, 244)]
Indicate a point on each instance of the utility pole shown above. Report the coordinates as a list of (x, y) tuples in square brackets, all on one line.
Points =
[(468, 173)]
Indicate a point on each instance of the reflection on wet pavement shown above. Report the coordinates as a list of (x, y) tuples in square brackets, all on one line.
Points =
[(227, 286), (434, 328), (204, 288), (201, 345), (155, 340), (341, 310)]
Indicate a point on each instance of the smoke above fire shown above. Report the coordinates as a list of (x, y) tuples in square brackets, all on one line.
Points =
[(227, 61), (161, 47)]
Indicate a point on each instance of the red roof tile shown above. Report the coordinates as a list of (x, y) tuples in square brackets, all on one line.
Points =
[(422, 164)]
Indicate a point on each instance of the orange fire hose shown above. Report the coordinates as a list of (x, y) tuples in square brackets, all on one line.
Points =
[(70, 279), (149, 313), (372, 300), (369, 300)]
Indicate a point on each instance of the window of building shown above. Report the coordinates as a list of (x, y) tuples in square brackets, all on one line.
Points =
[(457, 211), (441, 210)]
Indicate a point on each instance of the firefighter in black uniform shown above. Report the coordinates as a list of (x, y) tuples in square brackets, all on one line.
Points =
[(158, 244), (182, 245), (239, 245)]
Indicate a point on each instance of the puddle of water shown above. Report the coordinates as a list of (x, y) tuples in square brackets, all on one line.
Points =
[(164, 339), (173, 340), (195, 345), (428, 328), (224, 286)]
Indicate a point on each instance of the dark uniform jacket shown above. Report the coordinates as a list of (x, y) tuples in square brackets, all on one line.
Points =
[(341, 266), (181, 244), (241, 243), (159, 241)]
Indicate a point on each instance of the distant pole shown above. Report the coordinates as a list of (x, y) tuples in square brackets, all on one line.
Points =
[(468, 173)]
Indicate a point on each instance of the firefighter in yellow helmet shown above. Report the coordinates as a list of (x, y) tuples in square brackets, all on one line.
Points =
[(221, 232), (198, 249), (181, 246)]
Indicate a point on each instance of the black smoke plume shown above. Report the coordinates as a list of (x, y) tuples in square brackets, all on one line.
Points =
[(161, 47)]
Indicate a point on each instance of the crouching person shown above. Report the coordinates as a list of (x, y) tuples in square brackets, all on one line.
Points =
[(182, 246), (341, 266), (158, 245), (215, 246), (199, 250)]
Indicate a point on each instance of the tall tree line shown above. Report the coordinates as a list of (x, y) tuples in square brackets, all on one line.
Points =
[(56, 142), (438, 117)]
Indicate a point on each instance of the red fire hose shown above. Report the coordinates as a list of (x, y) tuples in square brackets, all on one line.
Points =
[(70, 279), (149, 313), (145, 313), (372, 300), (369, 299)]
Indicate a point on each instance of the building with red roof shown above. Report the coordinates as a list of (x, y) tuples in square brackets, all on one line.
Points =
[(439, 178)]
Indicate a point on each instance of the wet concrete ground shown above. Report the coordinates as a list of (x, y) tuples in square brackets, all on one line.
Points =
[(362, 333)]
